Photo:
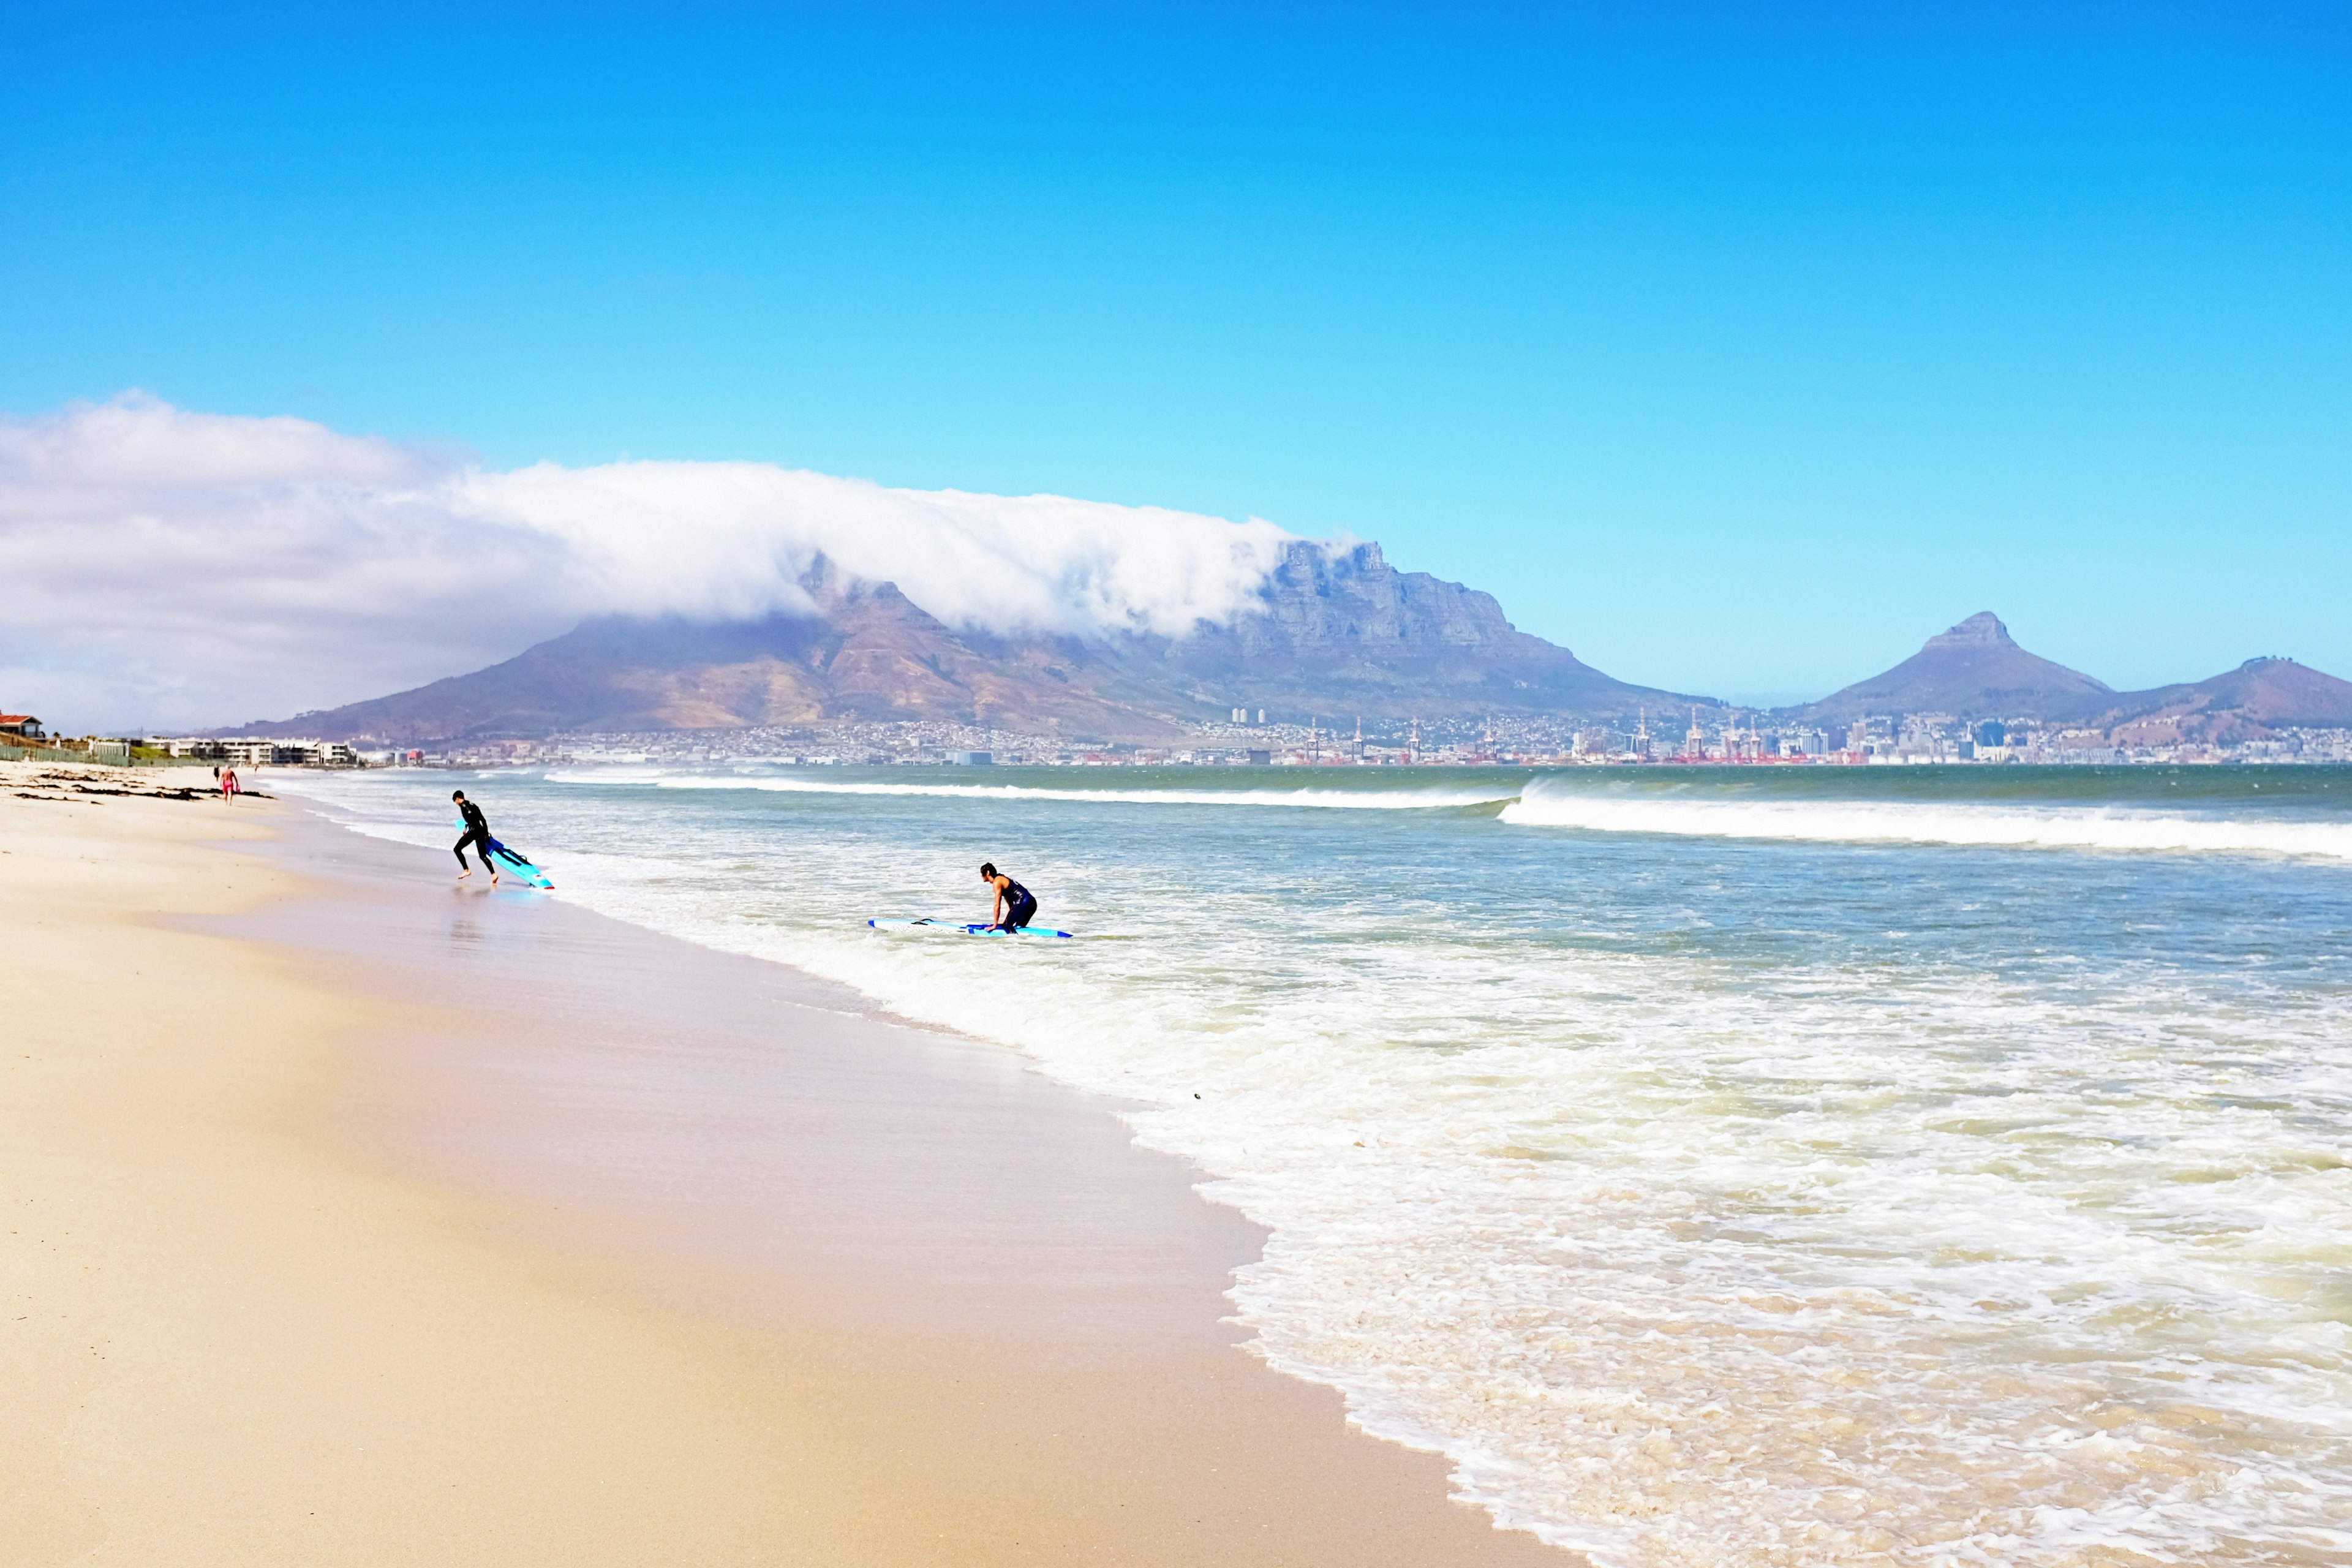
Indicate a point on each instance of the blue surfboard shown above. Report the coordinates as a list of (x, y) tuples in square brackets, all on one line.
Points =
[(513, 864), (961, 928), (507, 863)]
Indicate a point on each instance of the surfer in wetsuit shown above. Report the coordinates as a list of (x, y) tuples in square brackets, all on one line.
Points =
[(477, 834), (1016, 904)]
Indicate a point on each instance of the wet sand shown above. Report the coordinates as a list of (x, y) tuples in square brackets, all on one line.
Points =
[(355, 1218)]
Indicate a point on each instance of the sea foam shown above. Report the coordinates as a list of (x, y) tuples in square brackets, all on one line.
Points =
[(1695, 814), (1423, 799)]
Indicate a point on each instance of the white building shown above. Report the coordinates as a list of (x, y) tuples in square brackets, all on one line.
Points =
[(250, 751)]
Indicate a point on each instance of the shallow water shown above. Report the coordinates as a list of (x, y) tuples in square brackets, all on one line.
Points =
[(1723, 1166)]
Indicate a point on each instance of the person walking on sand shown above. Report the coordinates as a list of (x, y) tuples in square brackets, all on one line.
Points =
[(477, 834), (1015, 904), (228, 784)]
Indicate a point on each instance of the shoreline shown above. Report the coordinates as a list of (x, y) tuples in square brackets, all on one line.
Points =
[(622, 1249)]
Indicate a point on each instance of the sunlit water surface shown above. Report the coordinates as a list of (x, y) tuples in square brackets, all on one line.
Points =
[(1722, 1166)]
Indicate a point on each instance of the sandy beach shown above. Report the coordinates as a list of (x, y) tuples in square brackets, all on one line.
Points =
[(355, 1218)]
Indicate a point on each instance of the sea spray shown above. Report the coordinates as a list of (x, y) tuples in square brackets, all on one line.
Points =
[(1696, 810)]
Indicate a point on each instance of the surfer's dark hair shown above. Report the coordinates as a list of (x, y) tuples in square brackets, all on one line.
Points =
[(456, 794), (988, 867)]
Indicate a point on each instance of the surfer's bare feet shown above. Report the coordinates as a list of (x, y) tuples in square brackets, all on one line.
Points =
[(462, 875)]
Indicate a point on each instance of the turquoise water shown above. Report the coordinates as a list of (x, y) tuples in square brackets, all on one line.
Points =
[(1722, 1166)]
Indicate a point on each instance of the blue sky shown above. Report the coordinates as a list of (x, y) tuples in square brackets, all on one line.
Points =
[(1739, 349)]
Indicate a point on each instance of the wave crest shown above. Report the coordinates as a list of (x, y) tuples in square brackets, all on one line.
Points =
[(1318, 799), (1877, 821)]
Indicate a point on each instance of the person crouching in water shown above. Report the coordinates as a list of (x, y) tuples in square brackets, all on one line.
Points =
[(1015, 904), (477, 834)]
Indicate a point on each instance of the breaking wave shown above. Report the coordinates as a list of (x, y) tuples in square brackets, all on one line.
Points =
[(1888, 822), (1321, 799)]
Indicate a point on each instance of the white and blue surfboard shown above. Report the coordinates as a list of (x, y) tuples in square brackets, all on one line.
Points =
[(961, 928)]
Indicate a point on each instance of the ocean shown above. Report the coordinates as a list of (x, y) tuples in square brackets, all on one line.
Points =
[(1722, 1166)]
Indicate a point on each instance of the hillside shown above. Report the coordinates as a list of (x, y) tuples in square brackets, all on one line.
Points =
[(2258, 697), (871, 653), (1336, 632), (1975, 669)]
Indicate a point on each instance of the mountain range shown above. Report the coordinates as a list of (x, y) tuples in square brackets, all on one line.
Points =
[(1337, 632), (1977, 670)]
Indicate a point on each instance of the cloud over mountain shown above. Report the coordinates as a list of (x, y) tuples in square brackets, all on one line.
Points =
[(167, 567)]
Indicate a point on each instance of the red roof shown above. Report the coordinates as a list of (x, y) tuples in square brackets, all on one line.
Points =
[(16, 719)]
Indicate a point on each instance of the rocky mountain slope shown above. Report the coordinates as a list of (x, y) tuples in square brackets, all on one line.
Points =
[(1975, 669), (2260, 697), (1337, 632), (1341, 631)]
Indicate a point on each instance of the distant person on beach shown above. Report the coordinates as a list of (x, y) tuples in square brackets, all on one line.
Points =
[(1016, 904), (477, 834), (227, 783)]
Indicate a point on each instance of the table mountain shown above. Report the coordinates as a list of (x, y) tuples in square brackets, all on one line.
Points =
[(1336, 631), (1342, 631)]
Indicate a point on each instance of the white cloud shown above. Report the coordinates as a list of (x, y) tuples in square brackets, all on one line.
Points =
[(167, 568)]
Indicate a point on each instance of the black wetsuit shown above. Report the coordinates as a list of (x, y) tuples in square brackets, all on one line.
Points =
[(1020, 906), (477, 834)]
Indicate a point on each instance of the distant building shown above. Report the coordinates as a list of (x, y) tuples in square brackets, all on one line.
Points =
[(246, 752), (23, 724), (973, 758)]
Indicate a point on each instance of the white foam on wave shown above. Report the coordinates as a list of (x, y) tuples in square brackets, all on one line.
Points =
[(1906, 822), (1320, 799)]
